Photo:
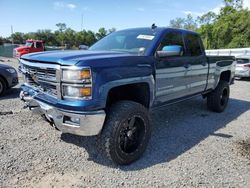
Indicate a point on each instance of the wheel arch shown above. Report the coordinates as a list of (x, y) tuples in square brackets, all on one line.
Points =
[(139, 90), (225, 76), (5, 81)]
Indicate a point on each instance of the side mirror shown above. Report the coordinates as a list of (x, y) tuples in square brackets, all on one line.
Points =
[(171, 50)]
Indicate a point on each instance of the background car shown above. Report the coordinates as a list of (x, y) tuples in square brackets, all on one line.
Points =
[(243, 67), (8, 78), (83, 47)]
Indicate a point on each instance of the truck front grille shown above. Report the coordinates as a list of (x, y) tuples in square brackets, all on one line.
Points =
[(42, 79)]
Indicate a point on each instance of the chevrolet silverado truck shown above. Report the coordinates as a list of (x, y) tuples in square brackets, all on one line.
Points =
[(30, 46), (108, 90)]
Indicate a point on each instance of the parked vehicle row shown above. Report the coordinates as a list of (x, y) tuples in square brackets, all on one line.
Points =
[(243, 67)]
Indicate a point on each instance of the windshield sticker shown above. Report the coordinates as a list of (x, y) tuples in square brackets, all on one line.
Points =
[(146, 37)]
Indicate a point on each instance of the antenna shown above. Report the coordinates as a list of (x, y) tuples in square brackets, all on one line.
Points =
[(81, 22), (12, 34)]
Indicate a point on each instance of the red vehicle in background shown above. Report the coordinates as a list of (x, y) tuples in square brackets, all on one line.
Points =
[(29, 47)]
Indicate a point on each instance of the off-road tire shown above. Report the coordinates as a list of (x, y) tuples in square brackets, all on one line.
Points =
[(217, 100), (2, 86), (116, 132)]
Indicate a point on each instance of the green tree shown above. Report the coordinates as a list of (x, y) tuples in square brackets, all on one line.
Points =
[(184, 23), (111, 30), (18, 37), (229, 29), (61, 26), (102, 32), (69, 37), (232, 30), (190, 23), (177, 23), (1, 40), (206, 27)]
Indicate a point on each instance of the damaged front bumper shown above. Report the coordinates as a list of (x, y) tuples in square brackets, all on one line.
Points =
[(74, 122)]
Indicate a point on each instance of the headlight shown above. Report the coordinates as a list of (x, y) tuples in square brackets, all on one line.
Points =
[(77, 92), (12, 71), (76, 75)]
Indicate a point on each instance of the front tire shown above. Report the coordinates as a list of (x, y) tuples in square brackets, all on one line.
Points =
[(2, 86), (217, 100), (126, 132)]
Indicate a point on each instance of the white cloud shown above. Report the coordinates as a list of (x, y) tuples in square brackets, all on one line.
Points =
[(58, 5), (246, 4), (62, 5), (216, 9), (193, 13), (141, 9), (71, 6)]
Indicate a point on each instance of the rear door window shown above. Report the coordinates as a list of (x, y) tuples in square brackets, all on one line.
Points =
[(194, 45)]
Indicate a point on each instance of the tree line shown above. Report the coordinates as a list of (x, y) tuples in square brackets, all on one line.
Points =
[(230, 28), (63, 36)]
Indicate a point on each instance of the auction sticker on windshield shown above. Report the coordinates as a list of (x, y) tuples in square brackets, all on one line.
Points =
[(146, 37)]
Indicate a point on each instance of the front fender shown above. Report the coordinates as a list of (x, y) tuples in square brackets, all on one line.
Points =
[(104, 89)]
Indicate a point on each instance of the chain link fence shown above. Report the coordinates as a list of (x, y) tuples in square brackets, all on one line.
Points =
[(6, 50)]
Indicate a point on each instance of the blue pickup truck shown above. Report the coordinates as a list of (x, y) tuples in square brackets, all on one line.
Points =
[(108, 90)]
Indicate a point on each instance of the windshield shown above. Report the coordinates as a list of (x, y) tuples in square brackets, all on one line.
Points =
[(28, 44), (132, 41)]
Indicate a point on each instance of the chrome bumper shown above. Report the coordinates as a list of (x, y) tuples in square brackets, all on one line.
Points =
[(88, 123)]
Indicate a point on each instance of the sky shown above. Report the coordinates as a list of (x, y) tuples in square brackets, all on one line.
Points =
[(31, 15)]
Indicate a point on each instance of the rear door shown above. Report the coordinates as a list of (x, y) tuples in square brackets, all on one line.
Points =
[(171, 71), (197, 62)]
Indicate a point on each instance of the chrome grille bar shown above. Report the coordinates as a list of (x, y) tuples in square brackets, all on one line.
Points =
[(42, 78)]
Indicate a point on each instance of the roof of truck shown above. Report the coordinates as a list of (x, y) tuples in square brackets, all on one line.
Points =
[(161, 29), (32, 40)]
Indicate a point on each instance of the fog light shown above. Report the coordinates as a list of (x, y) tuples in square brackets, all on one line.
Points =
[(75, 120)]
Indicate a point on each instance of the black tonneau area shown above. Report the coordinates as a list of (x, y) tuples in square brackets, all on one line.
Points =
[(221, 60)]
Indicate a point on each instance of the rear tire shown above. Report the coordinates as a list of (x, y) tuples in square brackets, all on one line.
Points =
[(2, 86), (126, 132), (217, 100)]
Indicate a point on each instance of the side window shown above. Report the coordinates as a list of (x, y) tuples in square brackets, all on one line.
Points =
[(172, 38), (194, 45), (39, 45)]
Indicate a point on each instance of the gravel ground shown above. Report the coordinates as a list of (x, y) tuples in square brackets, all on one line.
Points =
[(190, 147)]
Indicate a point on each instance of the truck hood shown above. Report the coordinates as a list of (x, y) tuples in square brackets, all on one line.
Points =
[(21, 48), (71, 57)]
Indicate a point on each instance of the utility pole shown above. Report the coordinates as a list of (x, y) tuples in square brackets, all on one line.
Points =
[(81, 22), (12, 34)]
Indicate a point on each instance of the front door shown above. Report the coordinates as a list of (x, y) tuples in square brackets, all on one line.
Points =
[(171, 71)]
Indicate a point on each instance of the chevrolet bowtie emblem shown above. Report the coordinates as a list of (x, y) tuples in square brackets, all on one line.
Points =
[(34, 77)]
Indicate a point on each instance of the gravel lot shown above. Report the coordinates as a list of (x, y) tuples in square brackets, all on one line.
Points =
[(190, 147)]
